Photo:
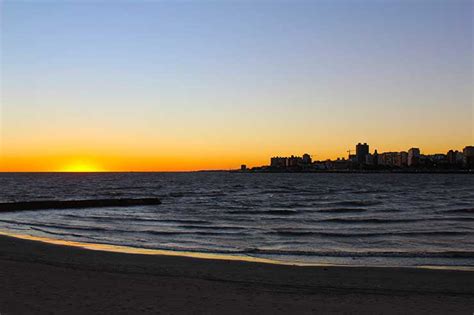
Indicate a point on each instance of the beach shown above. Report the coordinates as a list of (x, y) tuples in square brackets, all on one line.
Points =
[(43, 278)]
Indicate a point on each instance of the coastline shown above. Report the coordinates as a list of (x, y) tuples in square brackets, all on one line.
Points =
[(354, 171), (212, 256), (39, 277)]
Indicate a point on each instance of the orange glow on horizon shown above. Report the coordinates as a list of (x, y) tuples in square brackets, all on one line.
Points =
[(81, 167), (119, 164), (182, 159)]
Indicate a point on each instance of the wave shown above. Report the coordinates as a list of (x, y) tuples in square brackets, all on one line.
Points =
[(370, 191), (64, 228), (12, 222), (137, 187), (279, 252), (57, 233), (370, 234), (390, 221), (362, 220), (264, 212), (204, 233), (461, 210), (77, 228), (210, 193), (211, 227), (135, 219), (357, 203), (208, 225), (401, 254), (289, 205), (342, 210), (277, 190), (176, 194), (74, 204)]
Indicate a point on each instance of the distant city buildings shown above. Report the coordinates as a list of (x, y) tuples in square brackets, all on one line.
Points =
[(306, 159), (362, 150), (455, 158), (388, 158), (411, 160), (279, 162), (413, 156), (468, 157), (291, 162), (375, 158)]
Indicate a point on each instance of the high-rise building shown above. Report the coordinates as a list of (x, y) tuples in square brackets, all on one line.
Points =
[(401, 159), (376, 158), (388, 158), (413, 156), (307, 159), (361, 152), (279, 162), (451, 156), (294, 161), (468, 153)]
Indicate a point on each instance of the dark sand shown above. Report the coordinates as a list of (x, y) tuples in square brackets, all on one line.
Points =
[(43, 278)]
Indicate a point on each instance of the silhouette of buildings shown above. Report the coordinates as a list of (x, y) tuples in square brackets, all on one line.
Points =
[(306, 159), (388, 158), (375, 158), (402, 159), (468, 153), (279, 162), (413, 156), (363, 160), (451, 157), (293, 162), (362, 150)]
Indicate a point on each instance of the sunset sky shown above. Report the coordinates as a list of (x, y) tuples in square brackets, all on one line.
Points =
[(177, 85)]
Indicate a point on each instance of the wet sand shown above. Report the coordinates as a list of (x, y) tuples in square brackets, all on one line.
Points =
[(44, 278)]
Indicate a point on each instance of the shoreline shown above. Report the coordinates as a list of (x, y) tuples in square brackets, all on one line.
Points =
[(40, 277), (210, 256), (276, 171)]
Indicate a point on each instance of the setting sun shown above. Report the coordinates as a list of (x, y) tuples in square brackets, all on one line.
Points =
[(81, 166)]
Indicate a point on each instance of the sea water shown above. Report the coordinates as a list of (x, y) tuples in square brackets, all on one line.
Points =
[(351, 219)]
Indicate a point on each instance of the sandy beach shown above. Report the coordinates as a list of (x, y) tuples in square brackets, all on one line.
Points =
[(52, 279)]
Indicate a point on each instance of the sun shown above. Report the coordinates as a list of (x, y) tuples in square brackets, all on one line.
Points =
[(81, 167)]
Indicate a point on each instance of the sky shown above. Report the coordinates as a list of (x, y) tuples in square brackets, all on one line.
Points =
[(188, 85)]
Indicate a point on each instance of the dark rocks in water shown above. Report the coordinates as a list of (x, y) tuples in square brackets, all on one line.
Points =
[(72, 204)]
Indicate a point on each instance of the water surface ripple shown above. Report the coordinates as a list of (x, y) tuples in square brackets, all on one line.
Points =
[(373, 219)]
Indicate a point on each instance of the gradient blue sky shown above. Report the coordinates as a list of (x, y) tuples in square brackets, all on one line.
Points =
[(188, 85)]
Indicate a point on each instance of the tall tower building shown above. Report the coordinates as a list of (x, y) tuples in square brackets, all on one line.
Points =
[(413, 156), (307, 159), (362, 150), (468, 153), (376, 158)]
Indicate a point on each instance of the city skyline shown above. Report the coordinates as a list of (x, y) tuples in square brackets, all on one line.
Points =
[(363, 159), (98, 86)]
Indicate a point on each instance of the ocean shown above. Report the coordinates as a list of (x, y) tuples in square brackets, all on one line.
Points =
[(322, 218)]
